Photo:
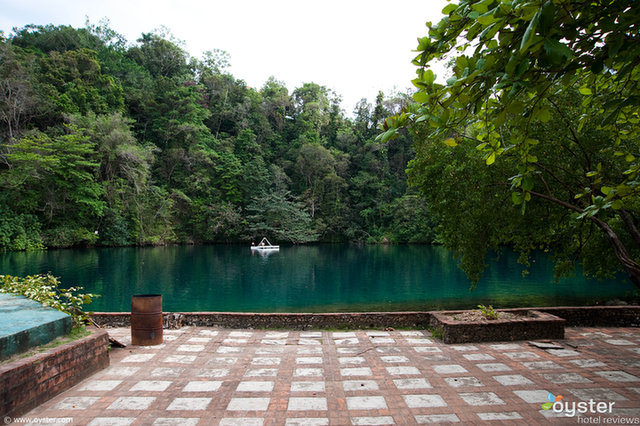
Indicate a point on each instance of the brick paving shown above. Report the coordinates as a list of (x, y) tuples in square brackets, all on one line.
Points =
[(206, 376)]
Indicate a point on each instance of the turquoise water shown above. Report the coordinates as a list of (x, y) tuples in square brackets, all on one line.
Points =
[(310, 278)]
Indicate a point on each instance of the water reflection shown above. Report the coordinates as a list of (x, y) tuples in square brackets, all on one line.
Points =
[(305, 278)]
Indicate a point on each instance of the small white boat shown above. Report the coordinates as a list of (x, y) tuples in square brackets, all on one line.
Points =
[(265, 246)]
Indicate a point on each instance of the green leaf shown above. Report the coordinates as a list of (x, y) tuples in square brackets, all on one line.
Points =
[(449, 8), (606, 190), (451, 142), (585, 91), (491, 159)]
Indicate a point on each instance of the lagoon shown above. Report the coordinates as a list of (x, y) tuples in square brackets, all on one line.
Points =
[(306, 278)]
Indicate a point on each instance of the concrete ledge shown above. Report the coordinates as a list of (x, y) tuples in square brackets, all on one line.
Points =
[(597, 316), (529, 325), (28, 382), (25, 323)]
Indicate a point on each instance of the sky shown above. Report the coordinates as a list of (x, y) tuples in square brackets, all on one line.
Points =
[(354, 47)]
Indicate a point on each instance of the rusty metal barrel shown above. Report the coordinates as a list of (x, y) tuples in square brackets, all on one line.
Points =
[(146, 319)]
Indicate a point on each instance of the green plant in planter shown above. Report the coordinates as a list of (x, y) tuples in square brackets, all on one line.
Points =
[(44, 288), (488, 312)]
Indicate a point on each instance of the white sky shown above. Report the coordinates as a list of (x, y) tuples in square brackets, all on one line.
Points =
[(355, 47)]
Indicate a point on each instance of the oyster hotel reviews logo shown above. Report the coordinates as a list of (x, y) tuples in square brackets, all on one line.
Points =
[(570, 409)]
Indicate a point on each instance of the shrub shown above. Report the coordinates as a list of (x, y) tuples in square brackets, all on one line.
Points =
[(44, 289)]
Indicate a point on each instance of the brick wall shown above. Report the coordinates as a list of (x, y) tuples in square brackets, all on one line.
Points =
[(29, 382)]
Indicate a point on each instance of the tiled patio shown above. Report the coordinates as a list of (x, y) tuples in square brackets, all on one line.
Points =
[(203, 376)]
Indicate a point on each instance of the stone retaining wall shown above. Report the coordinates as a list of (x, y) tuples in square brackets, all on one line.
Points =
[(591, 316), (29, 382)]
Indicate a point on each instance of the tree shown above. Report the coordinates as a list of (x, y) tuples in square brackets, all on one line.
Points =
[(511, 64)]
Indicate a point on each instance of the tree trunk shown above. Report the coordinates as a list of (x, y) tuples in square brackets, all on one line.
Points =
[(633, 268)]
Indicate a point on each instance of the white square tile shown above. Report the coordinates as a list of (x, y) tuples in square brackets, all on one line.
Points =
[(382, 340), (512, 415), (308, 372), (248, 404), (261, 372), (619, 342), (311, 334), (533, 396), (308, 342), (229, 350), (457, 382), (138, 358), (265, 361), (587, 363), (208, 333), (117, 371), (597, 394), (76, 403), (411, 333), (244, 334), (151, 385), (394, 359), (348, 351), (564, 378), (270, 350), (491, 367), (100, 385), (347, 341), (276, 335), (274, 341), (351, 360), (356, 371), (377, 333), (400, 371), (166, 372), (542, 365), (419, 341), (132, 403), (370, 421), (190, 348), (189, 404), (307, 421), (222, 360), (307, 387), (424, 401), (202, 386), (235, 341), (359, 385), (427, 349), (521, 355), (505, 346), (449, 369), (242, 421), (255, 387), (481, 398), (478, 357), (512, 380), (563, 352), (464, 348), (199, 340), (366, 403), (618, 376), (175, 421), (436, 418), (180, 359), (307, 404), (111, 421), (419, 383), (309, 360), (213, 372), (343, 335)]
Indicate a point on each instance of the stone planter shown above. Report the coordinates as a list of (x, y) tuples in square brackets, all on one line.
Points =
[(528, 325)]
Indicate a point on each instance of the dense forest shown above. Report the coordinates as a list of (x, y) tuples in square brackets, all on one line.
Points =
[(108, 142)]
